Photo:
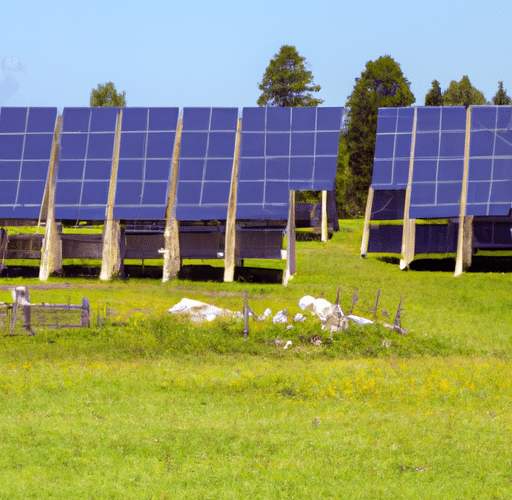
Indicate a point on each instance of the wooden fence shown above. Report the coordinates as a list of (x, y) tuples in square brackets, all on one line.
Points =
[(24, 315)]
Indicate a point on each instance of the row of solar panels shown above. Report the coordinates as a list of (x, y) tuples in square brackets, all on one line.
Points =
[(281, 149), (434, 146)]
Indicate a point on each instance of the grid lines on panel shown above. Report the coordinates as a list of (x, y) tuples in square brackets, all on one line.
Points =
[(436, 183), (392, 148), (285, 149), (145, 157), (85, 164), (490, 161), (206, 162), (26, 137)]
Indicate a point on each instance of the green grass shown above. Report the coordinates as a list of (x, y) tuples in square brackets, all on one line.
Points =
[(151, 406)]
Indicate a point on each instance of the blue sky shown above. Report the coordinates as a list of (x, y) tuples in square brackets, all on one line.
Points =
[(204, 53)]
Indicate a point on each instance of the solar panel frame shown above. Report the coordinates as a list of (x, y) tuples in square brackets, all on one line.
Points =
[(490, 161), (285, 149), (392, 148), (26, 138), (439, 150), (87, 137), (206, 161), (145, 157)]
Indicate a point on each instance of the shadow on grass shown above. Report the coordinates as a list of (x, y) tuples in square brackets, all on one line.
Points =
[(479, 264), (187, 272), (244, 274)]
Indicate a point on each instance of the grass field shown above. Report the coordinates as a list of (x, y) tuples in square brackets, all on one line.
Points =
[(144, 405)]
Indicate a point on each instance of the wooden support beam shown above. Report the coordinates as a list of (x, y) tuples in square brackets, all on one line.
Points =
[(230, 246), (408, 242), (171, 250), (4, 240), (111, 252), (465, 236), (366, 228), (409, 227), (324, 217), (51, 252), (291, 263)]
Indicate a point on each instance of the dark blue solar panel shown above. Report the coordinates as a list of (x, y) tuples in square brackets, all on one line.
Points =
[(147, 145), (438, 162), (206, 163), (14, 120), (26, 137), (392, 148), (283, 149), (490, 161), (87, 148)]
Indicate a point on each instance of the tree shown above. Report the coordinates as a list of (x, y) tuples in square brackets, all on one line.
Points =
[(434, 96), (287, 82), (381, 84), (106, 96), (462, 94), (501, 98)]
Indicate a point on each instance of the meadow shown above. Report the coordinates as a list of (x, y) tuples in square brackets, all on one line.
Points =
[(148, 405)]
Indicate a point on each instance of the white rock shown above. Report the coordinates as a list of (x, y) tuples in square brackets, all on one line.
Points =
[(281, 317)]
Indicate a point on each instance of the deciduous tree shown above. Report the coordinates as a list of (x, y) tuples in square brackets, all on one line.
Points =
[(287, 81), (106, 95), (462, 94)]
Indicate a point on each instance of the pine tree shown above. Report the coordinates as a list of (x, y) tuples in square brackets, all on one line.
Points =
[(501, 98), (287, 82), (434, 96), (382, 84)]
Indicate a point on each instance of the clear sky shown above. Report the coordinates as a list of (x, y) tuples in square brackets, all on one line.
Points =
[(214, 53)]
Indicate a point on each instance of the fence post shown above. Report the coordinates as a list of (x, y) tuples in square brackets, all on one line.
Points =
[(85, 319)]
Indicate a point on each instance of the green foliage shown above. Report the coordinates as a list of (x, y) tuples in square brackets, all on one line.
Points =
[(434, 96), (501, 98), (462, 94), (106, 95), (287, 82), (381, 84)]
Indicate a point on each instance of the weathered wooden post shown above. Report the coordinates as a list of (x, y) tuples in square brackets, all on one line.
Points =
[(409, 225), (171, 250), (465, 236), (291, 266), (230, 237), (111, 251), (51, 253)]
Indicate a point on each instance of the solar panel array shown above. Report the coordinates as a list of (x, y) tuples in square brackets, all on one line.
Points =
[(281, 149), (284, 149), (206, 162), (147, 143), (438, 166), (26, 136)]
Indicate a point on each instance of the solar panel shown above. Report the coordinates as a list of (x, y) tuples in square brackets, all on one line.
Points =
[(285, 149), (26, 136), (438, 162), (392, 148), (490, 161), (206, 162), (147, 143), (87, 148)]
